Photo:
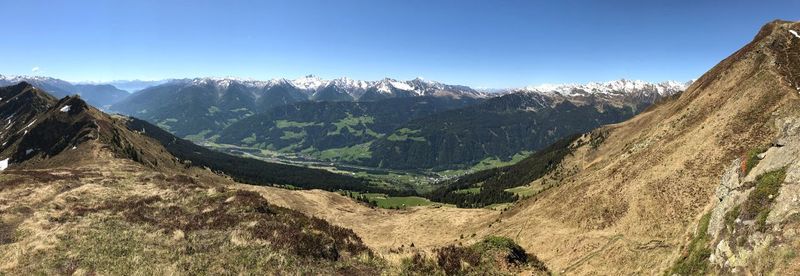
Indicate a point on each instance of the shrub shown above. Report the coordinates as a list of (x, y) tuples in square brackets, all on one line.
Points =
[(750, 159), (419, 265), (695, 260), (730, 217), (759, 202), (492, 256), (451, 258), (516, 254)]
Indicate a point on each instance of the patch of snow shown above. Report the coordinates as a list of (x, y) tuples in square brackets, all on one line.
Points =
[(74, 147), (618, 87), (225, 83), (309, 82), (28, 151), (29, 125), (383, 88), (65, 108), (3, 164), (794, 33), (401, 86)]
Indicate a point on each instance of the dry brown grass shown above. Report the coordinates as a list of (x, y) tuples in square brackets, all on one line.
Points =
[(117, 217)]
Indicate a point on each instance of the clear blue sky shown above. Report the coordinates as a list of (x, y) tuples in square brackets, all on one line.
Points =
[(478, 43)]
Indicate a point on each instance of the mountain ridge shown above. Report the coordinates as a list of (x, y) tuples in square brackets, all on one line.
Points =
[(101, 95)]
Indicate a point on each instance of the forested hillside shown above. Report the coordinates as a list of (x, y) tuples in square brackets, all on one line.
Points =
[(335, 127), (498, 128)]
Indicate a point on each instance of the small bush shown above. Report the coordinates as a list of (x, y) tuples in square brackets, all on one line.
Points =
[(419, 265), (750, 159), (759, 202), (695, 260), (516, 254), (730, 217), (452, 258), (494, 255)]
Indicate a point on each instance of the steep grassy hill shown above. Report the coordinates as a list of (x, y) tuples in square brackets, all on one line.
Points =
[(633, 203)]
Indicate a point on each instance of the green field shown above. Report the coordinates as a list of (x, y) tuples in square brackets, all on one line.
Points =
[(499, 206), (393, 202), (350, 122), (475, 190), (293, 135), (485, 164), (405, 134), (356, 152), (286, 124), (522, 191)]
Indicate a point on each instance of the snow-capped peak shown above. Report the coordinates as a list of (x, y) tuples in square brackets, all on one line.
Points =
[(19, 78), (309, 82), (345, 82), (225, 82), (401, 85), (622, 86)]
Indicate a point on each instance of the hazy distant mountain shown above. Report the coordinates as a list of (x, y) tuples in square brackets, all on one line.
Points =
[(100, 95), (134, 85)]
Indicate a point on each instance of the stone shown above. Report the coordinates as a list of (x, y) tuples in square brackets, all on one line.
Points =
[(728, 196), (178, 235)]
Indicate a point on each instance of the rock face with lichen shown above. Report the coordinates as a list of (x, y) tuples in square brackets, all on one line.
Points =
[(761, 242)]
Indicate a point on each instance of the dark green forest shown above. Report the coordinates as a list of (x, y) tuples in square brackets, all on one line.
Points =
[(500, 127)]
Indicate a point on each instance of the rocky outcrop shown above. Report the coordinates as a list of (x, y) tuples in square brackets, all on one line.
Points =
[(754, 245)]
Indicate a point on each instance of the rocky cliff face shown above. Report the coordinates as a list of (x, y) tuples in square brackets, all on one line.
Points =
[(753, 228)]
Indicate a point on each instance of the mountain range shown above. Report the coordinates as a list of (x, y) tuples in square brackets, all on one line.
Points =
[(208, 109), (101, 95), (128, 85), (364, 123)]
